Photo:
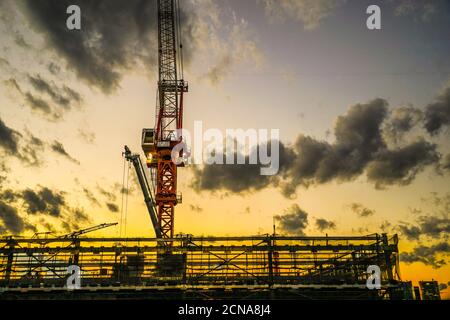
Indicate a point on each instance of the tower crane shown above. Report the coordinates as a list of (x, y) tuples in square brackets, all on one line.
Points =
[(159, 142)]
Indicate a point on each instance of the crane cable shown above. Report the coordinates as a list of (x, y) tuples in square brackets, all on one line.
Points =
[(122, 191), (178, 31), (126, 199)]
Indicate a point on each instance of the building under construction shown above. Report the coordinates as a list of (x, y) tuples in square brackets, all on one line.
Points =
[(261, 267), (167, 266)]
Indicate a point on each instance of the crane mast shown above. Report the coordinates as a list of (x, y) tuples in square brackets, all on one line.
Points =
[(158, 143)]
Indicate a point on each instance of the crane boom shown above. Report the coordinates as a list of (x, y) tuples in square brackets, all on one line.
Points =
[(145, 187), (87, 230)]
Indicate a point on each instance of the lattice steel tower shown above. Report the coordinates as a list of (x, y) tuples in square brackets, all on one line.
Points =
[(158, 143)]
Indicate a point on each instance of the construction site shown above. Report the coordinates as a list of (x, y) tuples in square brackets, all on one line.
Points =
[(165, 265)]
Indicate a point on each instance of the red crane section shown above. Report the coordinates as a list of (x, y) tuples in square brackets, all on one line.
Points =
[(158, 143)]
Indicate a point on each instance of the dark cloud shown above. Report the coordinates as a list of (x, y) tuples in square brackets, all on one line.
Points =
[(115, 36), (9, 139), (78, 215), (11, 220), (195, 208), (26, 147), (36, 103), (410, 232), (53, 68), (446, 164), (293, 221), (32, 150), (110, 195), (400, 166), (91, 197), (74, 220), (44, 201), (40, 105), (437, 114), (238, 178), (358, 139), (112, 207), (385, 226), (361, 211), (428, 255), (64, 97), (323, 224), (47, 225), (58, 148), (359, 148), (8, 195), (430, 226), (401, 121)]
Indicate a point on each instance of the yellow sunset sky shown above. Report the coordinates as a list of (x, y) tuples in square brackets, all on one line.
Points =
[(250, 64)]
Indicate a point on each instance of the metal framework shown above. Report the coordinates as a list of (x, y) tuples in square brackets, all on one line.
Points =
[(214, 267)]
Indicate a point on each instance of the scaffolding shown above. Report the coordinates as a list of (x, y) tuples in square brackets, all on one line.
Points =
[(201, 267)]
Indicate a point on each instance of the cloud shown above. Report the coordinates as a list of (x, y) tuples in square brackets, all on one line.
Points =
[(323, 224), (401, 121), (107, 194), (428, 255), (87, 136), (195, 208), (410, 232), (430, 226), (361, 211), (446, 164), (419, 10), (25, 147), (112, 207), (64, 97), (58, 148), (358, 139), (9, 138), (11, 220), (35, 103), (74, 220), (359, 148), (442, 286), (293, 221), (437, 114), (44, 201), (309, 12), (40, 105), (385, 226), (400, 166), (90, 196), (238, 49), (115, 37)]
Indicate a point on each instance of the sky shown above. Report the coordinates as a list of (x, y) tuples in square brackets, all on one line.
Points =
[(364, 118)]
